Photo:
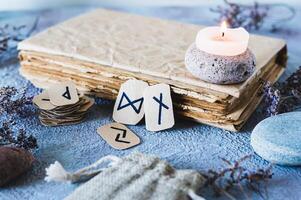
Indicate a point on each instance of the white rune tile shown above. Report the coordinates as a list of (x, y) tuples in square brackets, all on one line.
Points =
[(43, 102), (118, 136), (158, 108), (128, 108), (63, 94)]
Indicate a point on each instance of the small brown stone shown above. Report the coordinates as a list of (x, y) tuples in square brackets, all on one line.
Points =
[(13, 162)]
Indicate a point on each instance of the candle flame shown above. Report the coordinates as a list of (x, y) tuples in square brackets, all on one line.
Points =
[(223, 28)]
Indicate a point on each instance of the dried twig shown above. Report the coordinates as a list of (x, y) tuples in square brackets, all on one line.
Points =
[(14, 102), (11, 35), (251, 17), (8, 137), (282, 97), (235, 175)]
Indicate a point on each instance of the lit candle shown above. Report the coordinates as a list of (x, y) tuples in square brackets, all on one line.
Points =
[(222, 40)]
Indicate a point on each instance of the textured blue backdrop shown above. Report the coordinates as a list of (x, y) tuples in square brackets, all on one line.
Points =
[(187, 145)]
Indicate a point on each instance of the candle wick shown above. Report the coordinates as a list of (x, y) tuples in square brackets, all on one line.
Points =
[(223, 34)]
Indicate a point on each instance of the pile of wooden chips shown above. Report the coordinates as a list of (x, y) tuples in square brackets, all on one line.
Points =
[(62, 105)]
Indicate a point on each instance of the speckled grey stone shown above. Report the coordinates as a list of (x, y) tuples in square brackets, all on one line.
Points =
[(219, 69), (278, 140)]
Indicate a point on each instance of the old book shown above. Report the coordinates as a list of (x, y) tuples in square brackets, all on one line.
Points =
[(102, 49), (185, 108)]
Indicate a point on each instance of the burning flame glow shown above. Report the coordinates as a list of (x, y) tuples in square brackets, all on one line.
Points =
[(223, 28)]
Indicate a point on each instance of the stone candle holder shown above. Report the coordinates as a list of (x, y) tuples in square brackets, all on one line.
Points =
[(219, 69)]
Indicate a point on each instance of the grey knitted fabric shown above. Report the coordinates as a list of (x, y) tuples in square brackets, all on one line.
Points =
[(138, 176)]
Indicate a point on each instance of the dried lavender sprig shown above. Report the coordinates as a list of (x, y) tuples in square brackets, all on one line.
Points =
[(11, 35), (271, 100), (282, 97), (251, 17), (236, 175), (236, 15), (20, 139), (14, 102)]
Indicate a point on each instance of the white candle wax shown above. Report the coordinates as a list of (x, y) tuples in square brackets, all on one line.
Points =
[(222, 41)]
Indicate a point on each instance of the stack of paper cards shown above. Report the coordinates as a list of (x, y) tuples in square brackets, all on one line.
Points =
[(62, 105), (100, 54)]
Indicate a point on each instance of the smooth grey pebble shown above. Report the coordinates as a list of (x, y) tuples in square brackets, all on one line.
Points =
[(278, 139)]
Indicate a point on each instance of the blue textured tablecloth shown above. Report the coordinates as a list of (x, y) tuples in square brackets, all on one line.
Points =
[(187, 145)]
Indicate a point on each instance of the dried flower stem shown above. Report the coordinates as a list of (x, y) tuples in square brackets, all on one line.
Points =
[(11, 35), (14, 102), (282, 97), (235, 175), (7, 137), (251, 17)]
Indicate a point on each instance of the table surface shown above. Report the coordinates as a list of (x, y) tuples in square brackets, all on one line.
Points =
[(188, 145)]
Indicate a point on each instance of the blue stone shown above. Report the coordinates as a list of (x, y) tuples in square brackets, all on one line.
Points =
[(278, 139)]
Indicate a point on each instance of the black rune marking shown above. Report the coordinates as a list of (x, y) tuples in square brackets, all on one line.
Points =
[(117, 139), (67, 94)]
